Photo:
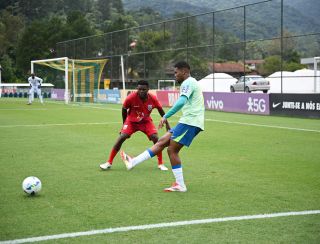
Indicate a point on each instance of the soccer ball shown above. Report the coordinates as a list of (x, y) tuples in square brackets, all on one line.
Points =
[(31, 185)]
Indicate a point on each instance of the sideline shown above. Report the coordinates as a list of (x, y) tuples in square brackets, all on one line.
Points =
[(67, 124), (160, 225)]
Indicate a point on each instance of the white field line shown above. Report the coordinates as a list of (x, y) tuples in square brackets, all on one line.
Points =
[(85, 105), (262, 125), (66, 124), (159, 225), (21, 109)]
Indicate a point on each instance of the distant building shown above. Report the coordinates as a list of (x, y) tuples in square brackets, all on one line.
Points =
[(234, 69), (253, 63), (310, 62)]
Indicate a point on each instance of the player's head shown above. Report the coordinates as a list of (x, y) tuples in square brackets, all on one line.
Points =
[(33, 75), (143, 88), (181, 71)]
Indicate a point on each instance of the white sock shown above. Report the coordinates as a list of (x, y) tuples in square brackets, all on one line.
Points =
[(140, 158), (30, 98), (178, 174)]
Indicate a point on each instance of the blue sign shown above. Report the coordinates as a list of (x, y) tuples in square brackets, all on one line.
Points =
[(107, 96)]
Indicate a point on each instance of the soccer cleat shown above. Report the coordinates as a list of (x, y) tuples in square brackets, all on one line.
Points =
[(175, 187), (28, 103), (105, 166), (126, 159), (162, 167)]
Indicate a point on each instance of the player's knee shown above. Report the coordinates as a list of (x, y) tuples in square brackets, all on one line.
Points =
[(154, 138)]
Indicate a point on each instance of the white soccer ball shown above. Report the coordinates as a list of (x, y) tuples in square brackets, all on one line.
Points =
[(31, 185)]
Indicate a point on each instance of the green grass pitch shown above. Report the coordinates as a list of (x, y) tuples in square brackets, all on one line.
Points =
[(240, 165)]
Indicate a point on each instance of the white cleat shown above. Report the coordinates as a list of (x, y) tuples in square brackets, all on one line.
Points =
[(175, 187), (105, 166), (126, 159), (162, 167)]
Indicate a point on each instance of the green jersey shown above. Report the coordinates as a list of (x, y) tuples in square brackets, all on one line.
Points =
[(193, 110)]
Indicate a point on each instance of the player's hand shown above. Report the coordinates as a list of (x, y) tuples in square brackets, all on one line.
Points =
[(162, 122)]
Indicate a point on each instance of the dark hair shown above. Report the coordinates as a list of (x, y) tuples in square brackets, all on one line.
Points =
[(143, 83), (181, 65)]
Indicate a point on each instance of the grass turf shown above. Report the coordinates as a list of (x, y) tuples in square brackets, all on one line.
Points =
[(230, 169)]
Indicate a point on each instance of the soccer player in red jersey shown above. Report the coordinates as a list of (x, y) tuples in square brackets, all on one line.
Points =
[(136, 111)]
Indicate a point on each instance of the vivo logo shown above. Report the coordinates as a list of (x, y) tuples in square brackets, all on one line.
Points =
[(215, 104)]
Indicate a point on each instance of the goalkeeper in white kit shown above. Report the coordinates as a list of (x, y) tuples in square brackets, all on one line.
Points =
[(35, 86)]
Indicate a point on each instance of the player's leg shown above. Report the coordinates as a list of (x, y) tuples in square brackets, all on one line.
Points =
[(154, 138), (151, 131), (127, 130), (182, 135), (173, 152), (114, 151), (149, 153), (31, 92), (39, 94)]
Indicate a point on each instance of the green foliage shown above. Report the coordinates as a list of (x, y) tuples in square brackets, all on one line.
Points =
[(145, 15), (293, 66), (40, 37), (271, 65), (8, 73)]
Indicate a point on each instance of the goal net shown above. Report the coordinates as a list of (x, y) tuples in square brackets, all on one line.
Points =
[(73, 79)]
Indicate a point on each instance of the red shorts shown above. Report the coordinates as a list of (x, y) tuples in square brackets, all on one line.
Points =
[(147, 127)]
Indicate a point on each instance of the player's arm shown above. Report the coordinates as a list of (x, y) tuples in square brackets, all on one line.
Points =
[(124, 114), (176, 107), (40, 82), (162, 113)]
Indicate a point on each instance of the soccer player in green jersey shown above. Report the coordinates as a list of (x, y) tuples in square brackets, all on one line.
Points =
[(190, 124)]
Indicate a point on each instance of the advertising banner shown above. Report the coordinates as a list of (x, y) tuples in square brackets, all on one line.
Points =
[(57, 94), (250, 103), (107, 96), (167, 98), (305, 105)]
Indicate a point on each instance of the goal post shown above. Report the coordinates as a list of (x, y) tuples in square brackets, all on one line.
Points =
[(66, 72), (166, 84), (74, 79)]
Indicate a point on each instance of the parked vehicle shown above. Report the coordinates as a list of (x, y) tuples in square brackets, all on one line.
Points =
[(251, 83)]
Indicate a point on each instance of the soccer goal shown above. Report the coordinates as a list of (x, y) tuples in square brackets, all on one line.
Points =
[(166, 85), (73, 79)]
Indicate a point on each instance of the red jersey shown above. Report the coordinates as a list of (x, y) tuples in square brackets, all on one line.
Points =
[(140, 110)]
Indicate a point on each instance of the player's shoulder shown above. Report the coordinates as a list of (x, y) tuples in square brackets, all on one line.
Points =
[(131, 96), (190, 80)]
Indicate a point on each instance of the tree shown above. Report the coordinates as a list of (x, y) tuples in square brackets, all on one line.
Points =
[(117, 4), (10, 27), (104, 8), (8, 70), (77, 26), (271, 65)]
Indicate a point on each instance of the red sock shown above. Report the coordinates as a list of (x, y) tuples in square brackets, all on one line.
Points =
[(113, 153), (159, 155)]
